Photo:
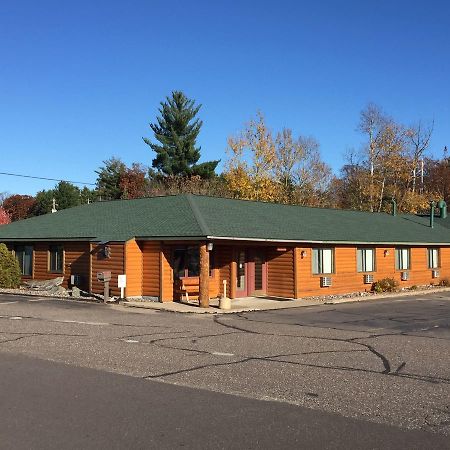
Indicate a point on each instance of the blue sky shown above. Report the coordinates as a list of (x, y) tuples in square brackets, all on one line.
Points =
[(80, 81)]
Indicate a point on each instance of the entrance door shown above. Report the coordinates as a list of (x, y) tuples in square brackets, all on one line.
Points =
[(251, 276), (257, 272), (241, 273)]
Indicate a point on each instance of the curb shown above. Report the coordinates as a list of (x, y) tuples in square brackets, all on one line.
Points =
[(52, 297), (217, 311)]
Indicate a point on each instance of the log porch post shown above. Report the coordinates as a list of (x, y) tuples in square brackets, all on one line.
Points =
[(204, 277)]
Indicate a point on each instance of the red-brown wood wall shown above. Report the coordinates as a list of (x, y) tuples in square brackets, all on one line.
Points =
[(346, 279), (114, 263), (148, 266)]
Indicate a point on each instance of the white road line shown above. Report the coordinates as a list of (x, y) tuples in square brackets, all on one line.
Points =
[(83, 323), (130, 341), (16, 318), (7, 303), (222, 354)]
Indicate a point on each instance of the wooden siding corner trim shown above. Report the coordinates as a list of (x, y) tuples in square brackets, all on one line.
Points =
[(161, 275), (90, 267), (296, 274)]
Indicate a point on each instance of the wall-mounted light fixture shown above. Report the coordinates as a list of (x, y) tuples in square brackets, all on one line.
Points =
[(386, 253), (209, 246), (303, 254), (107, 251)]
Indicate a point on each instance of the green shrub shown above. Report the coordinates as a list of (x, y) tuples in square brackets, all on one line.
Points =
[(413, 287), (9, 269), (385, 285), (444, 282)]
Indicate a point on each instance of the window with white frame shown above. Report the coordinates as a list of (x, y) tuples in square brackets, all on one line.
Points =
[(433, 258), (365, 259), (24, 256), (323, 260), (402, 258)]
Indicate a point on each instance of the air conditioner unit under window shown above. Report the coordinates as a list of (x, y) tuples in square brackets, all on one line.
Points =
[(405, 276), (435, 273), (368, 278), (325, 281)]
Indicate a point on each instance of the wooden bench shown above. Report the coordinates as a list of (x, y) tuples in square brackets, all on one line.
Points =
[(189, 287)]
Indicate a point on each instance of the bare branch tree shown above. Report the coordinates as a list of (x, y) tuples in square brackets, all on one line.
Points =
[(419, 136)]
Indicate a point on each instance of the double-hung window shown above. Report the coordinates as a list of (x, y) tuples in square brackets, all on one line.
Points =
[(365, 259), (433, 258), (24, 256), (56, 263), (322, 260), (403, 258)]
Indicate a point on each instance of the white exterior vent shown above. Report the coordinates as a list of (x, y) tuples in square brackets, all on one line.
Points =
[(435, 273), (75, 280), (325, 281), (368, 278), (405, 276)]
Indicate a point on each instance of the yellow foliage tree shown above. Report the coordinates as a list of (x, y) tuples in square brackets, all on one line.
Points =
[(281, 169)]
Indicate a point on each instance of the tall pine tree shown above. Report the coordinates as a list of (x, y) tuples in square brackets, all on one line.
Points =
[(176, 132)]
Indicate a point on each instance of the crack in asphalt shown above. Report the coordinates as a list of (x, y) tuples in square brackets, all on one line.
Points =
[(345, 330), (237, 329), (385, 361)]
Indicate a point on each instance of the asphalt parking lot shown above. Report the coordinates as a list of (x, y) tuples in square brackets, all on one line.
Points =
[(385, 361)]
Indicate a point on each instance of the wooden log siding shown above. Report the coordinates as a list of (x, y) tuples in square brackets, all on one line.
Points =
[(166, 275), (76, 262), (223, 260), (115, 263), (150, 268), (133, 269), (346, 279), (280, 272)]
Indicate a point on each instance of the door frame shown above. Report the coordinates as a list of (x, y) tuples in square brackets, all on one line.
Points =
[(249, 268), (251, 253)]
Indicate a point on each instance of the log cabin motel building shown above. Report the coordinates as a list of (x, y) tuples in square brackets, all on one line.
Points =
[(258, 249)]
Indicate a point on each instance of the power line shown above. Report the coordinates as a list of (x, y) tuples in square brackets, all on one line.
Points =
[(43, 178)]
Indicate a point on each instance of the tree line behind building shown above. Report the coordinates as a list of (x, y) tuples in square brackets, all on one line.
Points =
[(395, 161)]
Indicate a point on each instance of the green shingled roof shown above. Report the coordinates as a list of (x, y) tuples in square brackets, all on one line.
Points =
[(192, 216)]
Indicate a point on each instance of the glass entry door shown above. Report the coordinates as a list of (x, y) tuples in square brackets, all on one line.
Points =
[(257, 271), (251, 277), (241, 273)]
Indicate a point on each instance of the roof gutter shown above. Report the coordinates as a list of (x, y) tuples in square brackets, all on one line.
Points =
[(309, 241), (54, 239)]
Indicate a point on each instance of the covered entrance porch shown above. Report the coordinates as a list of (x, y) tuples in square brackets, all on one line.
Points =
[(207, 270)]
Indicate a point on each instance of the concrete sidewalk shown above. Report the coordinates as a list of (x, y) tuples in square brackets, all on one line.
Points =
[(265, 303), (237, 305)]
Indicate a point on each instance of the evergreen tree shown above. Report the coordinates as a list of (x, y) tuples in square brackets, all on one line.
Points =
[(44, 201), (108, 180), (66, 195), (88, 195), (9, 269), (176, 132)]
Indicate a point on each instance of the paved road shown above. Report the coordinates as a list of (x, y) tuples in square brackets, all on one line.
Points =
[(334, 368)]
